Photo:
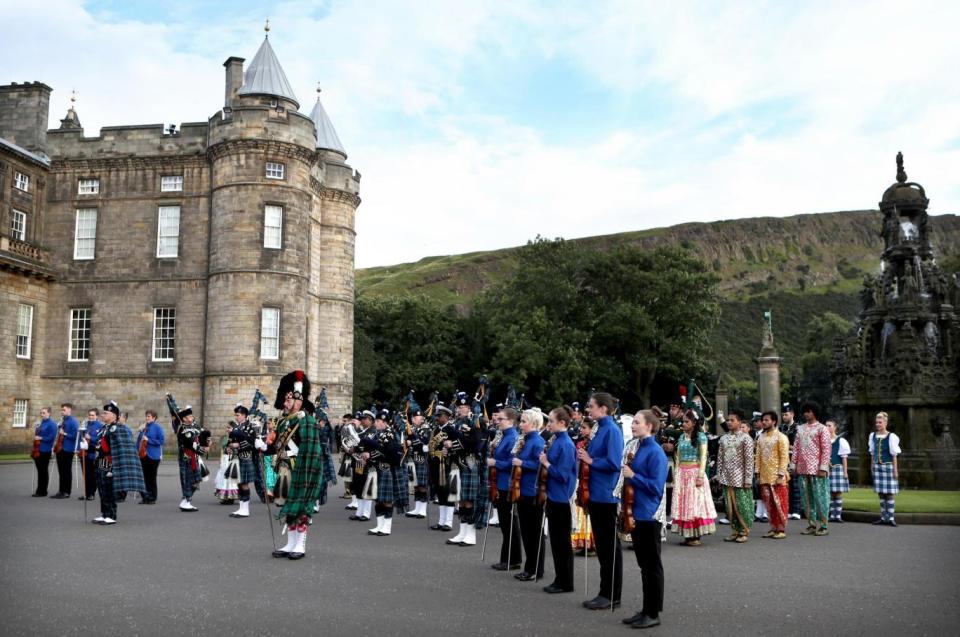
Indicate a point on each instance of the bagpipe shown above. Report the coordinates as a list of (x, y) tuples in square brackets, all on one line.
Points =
[(203, 438)]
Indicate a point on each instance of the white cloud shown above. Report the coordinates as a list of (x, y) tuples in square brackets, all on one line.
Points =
[(858, 82)]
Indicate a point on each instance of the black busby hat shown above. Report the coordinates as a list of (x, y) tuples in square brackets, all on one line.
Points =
[(240, 409), (462, 398), (575, 406), (416, 412), (383, 414), (358, 414), (296, 384), (183, 413), (112, 408), (786, 407)]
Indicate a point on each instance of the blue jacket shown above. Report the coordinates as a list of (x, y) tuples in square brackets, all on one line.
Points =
[(530, 455), (503, 455), (70, 428), (93, 428), (155, 437), (562, 473), (606, 449), (650, 468), (47, 433)]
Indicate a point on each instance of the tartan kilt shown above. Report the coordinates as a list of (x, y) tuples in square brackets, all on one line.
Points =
[(386, 489), (401, 488), (422, 473), (838, 484), (248, 472), (188, 475), (883, 480), (469, 483)]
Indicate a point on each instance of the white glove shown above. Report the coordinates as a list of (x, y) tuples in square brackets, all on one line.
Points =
[(260, 444), (83, 445), (426, 448)]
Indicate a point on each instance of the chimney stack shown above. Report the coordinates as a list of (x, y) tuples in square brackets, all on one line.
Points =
[(234, 66)]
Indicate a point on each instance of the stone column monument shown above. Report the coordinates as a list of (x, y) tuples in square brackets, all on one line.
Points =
[(768, 368)]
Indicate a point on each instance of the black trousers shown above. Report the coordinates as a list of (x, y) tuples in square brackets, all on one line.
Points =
[(646, 546), (150, 477), (89, 475), (558, 516), (64, 460), (511, 533), (531, 532), (43, 473), (108, 504), (603, 518)]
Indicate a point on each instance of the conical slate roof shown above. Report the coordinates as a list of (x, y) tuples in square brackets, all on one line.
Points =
[(265, 76), (326, 135)]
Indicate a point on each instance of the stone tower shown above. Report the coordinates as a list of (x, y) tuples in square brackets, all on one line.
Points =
[(902, 356), (768, 369), (281, 243)]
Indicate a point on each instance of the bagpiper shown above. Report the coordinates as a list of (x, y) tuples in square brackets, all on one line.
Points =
[(441, 463), (118, 465), (188, 433), (361, 472), (300, 460), (242, 435), (380, 451), (419, 442), (469, 448)]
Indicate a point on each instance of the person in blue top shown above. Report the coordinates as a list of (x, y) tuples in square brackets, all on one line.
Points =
[(647, 474), (70, 428), (46, 433), (501, 459), (88, 438), (561, 463), (529, 513), (604, 457), (153, 432)]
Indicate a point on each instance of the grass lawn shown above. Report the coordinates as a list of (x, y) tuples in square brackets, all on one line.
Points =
[(14, 456), (864, 499)]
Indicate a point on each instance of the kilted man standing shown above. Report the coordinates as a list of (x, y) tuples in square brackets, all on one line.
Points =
[(467, 447), (361, 470), (380, 451), (441, 460), (188, 456), (300, 460), (118, 466), (241, 437), (419, 445)]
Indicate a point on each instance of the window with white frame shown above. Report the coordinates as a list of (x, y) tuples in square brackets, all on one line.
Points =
[(171, 183), (270, 333), (22, 182), (24, 330), (18, 225), (274, 170), (168, 231), (164, 332), (79, 334), (20, 412), (85, 233), (272, 227), (88, 187)]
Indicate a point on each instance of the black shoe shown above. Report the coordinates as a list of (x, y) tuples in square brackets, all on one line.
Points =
[(553, 589), (524, 576), (515, 567), (279, 553), (81, 497), (295, 556), (499, 566), (38, 495), (496, 526), (438, 527), (91, 498), (354, 517), (637, 616), (879, 522), (838, 520), (646, 622), (59, 496), (891, 523), (601, 603), (140, 502)]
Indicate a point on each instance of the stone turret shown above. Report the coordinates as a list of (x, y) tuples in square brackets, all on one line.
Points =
[(903, 356)]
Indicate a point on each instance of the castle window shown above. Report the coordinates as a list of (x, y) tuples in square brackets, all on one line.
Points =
[(20, 412), (272, 227), (270, 333), (79, 335), (18, 225), (88, 187), (274, 171), (168, 231), (164, 332), (24, 330), (171, 183), (21, 181), (85, 234)]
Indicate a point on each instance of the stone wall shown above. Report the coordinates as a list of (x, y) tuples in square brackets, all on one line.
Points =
[(24, 111)]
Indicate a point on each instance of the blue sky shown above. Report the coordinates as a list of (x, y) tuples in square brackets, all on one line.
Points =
[(512, 119)]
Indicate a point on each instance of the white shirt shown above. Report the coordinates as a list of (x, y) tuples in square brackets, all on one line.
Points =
[(844, 450), (894, 443)]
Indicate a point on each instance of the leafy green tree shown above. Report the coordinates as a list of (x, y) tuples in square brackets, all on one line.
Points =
[(815, 363)]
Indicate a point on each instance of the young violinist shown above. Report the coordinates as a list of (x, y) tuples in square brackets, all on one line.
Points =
[(647, 475), (45, 434), (604, 458), (150, 440), (88, 451), (530, 515), (501, 459), (560, 462), (64, 449)]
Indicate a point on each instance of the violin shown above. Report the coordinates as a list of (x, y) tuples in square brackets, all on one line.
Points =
[(626, 510), (517, 472), (542, 477), (583, 480), (58, 445), (35, 453), (142, 451), (492, 481)]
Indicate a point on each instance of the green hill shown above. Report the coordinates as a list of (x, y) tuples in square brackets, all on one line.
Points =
[(799, 267)]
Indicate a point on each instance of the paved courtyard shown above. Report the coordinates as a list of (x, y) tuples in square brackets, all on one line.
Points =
[(162, 571)]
